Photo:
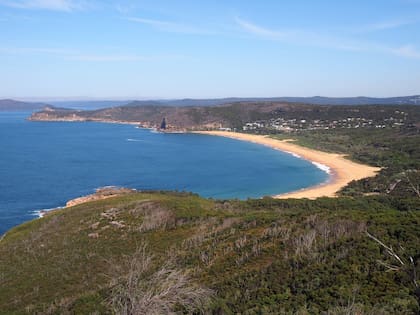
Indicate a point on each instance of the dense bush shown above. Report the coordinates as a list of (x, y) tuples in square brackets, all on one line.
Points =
[(262, 256)]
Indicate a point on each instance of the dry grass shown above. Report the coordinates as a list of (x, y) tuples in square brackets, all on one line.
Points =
[(209, 229), (320, 233), (147, 290), (157, 218)]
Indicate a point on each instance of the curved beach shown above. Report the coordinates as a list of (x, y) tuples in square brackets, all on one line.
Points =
[(342, 171)]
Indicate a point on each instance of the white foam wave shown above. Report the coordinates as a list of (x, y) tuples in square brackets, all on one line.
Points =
[(322, 167), (288, 152), (294, 154), (41, 213), (134, 140), (38, 213)]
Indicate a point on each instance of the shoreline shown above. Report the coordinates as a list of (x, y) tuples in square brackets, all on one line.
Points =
[(137, 124), (341, 170), (100, 193)]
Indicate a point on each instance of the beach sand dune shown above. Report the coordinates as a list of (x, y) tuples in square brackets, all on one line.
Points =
[(342, 171)]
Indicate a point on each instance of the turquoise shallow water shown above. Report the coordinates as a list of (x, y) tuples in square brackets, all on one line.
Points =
[(44, 164)]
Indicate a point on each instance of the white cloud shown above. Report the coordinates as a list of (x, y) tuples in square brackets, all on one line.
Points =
[(171, 27), (54, 5), (387, 25), (298, 37), (75, 55), (384, 25), (308, 38), (25, 50), (155, 23), (12, 17), (261, 31), (125, 8), (105, 58), (408, 51)]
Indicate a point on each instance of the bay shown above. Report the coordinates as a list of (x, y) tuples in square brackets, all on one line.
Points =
[(44, 164)]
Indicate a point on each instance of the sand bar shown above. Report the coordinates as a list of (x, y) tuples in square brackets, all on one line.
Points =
[(342, 171)]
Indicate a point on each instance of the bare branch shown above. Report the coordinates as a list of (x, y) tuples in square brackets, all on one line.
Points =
[(409, 268), (390, 251), (389, 266), (414, 272), (415, 188), (146, 288)]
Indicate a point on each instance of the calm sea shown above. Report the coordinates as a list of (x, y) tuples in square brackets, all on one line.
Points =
[(44, 164)]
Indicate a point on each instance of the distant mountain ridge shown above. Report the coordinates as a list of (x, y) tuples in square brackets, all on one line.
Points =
[(90, 104), (12, 105), (316, 100), (9, 104)]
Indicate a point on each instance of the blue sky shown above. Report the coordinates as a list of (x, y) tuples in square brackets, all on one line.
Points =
[(203, 49)]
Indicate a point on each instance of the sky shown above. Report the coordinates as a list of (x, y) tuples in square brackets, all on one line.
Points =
[(75, 49)]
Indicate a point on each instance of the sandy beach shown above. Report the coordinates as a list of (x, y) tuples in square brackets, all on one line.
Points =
[(342, 171)]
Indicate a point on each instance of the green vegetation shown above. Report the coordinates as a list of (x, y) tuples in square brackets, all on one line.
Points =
[(167, 252)]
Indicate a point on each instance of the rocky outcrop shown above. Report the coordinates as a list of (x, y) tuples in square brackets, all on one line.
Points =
[(101, 193)]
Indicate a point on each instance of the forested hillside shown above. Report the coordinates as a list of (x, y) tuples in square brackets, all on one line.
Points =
[(153, 253)]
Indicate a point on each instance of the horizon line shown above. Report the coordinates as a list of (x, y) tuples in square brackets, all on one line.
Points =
[(155, 98)]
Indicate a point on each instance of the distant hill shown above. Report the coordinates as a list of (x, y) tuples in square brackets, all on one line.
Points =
[(317, 100), (12, 105), (361, 100), (88, 104), (232, 115), (151, 114), (8, 104)]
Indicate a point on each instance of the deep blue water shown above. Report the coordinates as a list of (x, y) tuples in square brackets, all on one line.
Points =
[(44, 164)]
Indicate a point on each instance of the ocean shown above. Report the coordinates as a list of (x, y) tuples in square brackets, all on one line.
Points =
[(44, 164)]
